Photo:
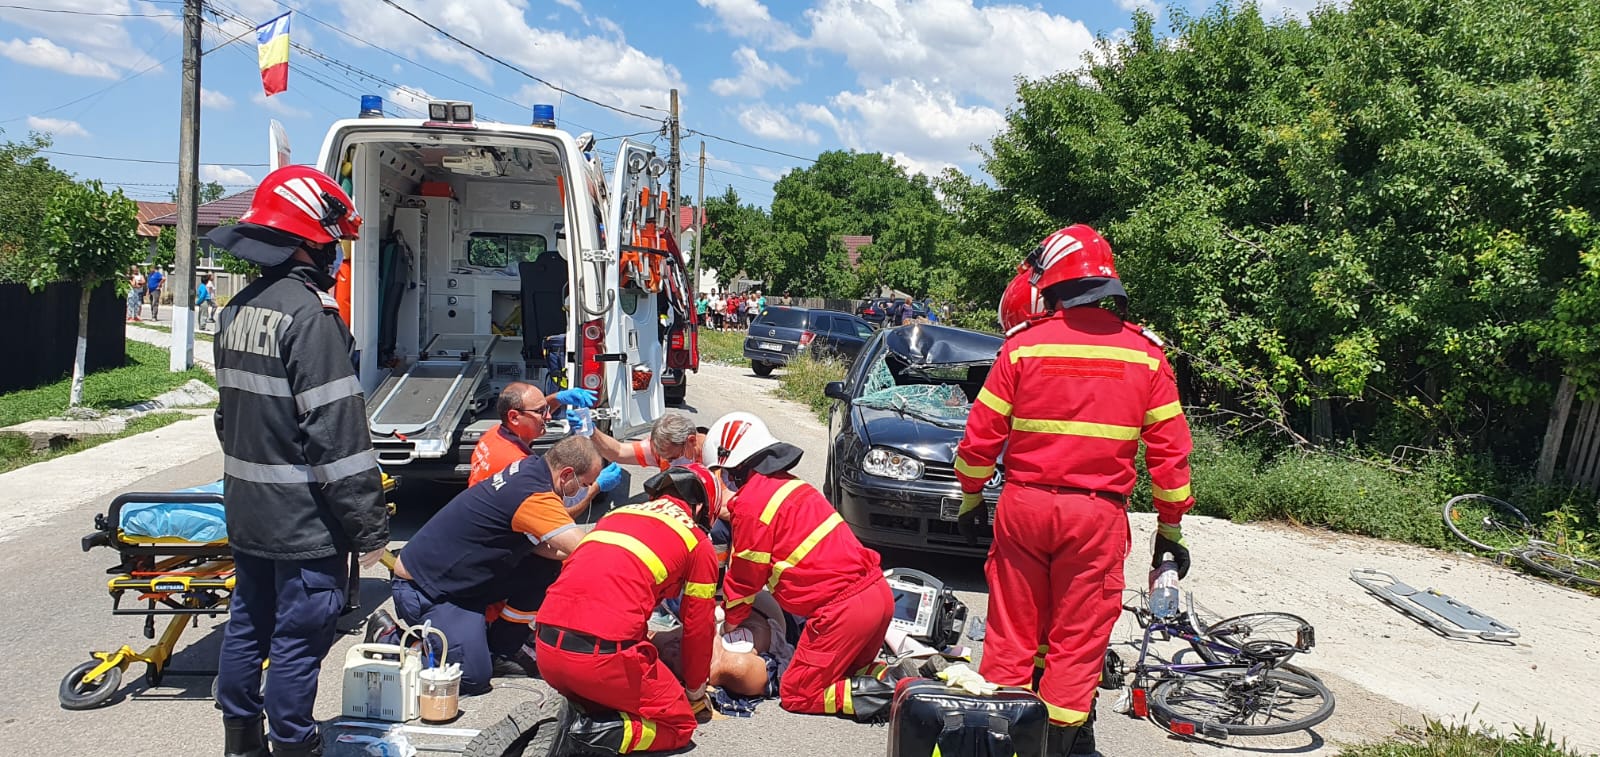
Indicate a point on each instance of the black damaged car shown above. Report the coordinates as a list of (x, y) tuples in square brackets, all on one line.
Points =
[(894, 427)]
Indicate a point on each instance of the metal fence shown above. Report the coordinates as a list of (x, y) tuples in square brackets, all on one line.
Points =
[(40, 338)]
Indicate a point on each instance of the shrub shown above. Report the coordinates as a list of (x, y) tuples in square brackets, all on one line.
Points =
[(804, 378), (1436, 739)]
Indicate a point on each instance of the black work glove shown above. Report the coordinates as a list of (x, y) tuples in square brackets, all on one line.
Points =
[(1169, 541), (973, 516)]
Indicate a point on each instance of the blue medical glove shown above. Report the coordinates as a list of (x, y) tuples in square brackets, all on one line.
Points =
[(576, 397), (609, 477)]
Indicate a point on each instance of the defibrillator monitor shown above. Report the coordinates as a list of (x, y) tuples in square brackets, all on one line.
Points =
[(923, 608)]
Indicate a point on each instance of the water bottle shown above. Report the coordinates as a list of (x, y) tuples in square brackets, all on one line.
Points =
[(1164, 590), (583, 421)]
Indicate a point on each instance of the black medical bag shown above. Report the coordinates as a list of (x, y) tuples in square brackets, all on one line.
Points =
[(931, 718)]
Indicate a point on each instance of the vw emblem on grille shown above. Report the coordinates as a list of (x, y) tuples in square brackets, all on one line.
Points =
[(772, 332), (996, 480)]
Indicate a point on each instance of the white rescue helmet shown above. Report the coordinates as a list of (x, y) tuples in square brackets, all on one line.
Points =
[(733, 439)]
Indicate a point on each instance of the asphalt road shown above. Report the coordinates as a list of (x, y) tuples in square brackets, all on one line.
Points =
[(56, 611)]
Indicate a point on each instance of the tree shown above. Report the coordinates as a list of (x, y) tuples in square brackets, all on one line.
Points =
[(210, 191), (27, 183), (737, 238), (92, 237), (1370, 217)]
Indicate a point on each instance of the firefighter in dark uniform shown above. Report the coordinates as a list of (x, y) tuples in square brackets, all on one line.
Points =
[(1073, 392), (301, 483)]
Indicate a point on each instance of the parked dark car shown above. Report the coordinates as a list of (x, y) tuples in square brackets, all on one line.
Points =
[(893, 430), (781, 333), (876, 312)]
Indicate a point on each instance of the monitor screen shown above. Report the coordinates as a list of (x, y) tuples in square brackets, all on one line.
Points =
[(906, 604)]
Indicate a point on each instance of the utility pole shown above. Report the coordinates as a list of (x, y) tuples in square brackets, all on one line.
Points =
[(699, 217), (672, 164), (188, 193)]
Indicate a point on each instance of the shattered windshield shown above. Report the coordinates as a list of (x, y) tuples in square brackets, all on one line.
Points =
[(929, 373)]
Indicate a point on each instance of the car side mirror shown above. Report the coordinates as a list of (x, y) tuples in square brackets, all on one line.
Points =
[(835, 390)]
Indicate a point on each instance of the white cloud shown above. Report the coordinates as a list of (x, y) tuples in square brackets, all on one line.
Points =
[(755, 76), (57, 126), (276, 104), (92, 32), (751, 20), (949, 43), (225, 175), (43, 53), (412, 99), (600, 65), (767, 123), (924, 127), (210, 98), (571, 5), (1150, 6), (915, 166)]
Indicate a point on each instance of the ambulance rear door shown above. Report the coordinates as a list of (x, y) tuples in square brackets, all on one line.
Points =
[(633, 339)]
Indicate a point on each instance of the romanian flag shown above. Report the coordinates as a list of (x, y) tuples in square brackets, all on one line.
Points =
[(272, 50)]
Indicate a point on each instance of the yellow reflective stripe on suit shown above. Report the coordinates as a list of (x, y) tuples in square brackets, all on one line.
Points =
[(639, 550), (699, 591), (1171, 495), (1065, 716), (1087, 352), (1156, 415), (804, 548), (973, 471), (1076, 428), (778, 497), (750, 555), (831, 704), (993, 402), (676, 525)]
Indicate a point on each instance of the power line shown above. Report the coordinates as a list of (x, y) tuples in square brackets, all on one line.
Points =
[(480, 51), (88, 13), (692, 132), (145, 160)]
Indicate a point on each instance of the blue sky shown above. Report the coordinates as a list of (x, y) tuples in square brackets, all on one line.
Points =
[(922, 80)]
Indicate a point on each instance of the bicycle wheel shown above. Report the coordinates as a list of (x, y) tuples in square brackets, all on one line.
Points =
[(1258, 635), (1487, 523), (1561, 565), (1237, 700)]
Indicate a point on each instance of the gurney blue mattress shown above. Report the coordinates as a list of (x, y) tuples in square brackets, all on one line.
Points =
[(191, 521)]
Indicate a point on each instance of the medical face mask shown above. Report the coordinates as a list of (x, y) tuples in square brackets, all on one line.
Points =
[(726, 477)]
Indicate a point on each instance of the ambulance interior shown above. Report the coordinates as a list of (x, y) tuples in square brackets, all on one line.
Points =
[(474, 240)]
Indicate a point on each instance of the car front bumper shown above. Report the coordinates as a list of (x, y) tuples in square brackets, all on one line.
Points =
[(907, 514)]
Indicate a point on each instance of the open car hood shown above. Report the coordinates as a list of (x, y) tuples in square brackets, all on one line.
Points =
[(928, 344)]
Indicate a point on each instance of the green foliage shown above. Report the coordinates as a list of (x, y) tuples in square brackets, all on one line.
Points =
[(166, 248), (143, 376), (1438, 739), (804, 378), (27, 182), (736, 236), (1381, 208), (210, 191), (90, 236), (229, 262)]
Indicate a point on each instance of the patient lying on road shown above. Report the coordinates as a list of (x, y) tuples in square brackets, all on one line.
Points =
[(749, 669)]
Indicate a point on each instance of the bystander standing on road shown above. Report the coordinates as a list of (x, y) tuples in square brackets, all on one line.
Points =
[(302, 486), (752, 308), (135, 293), (715, 307), (700, 306), (205, 301), (152, 284)]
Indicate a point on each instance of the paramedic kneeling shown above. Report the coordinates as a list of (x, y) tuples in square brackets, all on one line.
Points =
[(592, 645), (301, 485), (501, 540), (788, 540)]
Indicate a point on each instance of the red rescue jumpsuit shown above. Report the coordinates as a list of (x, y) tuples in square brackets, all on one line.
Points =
[(789, 540), (635, 557), (1068, 400)]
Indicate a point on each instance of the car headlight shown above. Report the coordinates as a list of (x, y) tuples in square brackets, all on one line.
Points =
[(890, 463)]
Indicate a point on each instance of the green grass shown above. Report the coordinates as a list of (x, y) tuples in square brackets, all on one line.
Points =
[(16, 452), (143, 377), (1436, 739), (803, 379), (726, 347)]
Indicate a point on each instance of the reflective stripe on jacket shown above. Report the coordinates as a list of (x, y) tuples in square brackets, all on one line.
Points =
[(1069, 399), (788, 540), (300, 477), (635, 557)]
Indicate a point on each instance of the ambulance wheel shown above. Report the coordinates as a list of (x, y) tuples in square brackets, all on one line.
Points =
[(77, 694), (675, 395), (529, 731)]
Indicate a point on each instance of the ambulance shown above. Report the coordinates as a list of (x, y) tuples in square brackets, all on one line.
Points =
[(494, 253)]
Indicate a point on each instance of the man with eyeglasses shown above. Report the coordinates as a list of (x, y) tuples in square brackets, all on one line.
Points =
[(674, 440), (501, 540), (523, 412)]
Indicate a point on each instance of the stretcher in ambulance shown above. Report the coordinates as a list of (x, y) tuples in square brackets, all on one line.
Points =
[(495, 253)]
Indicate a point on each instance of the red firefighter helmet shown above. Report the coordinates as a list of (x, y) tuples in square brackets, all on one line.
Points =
[(1077, 260), (293, 205), (693, 485)]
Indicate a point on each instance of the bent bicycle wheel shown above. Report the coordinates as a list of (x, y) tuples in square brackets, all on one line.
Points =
[(1258, 635), (1561, 565), (1240, 701), (1487, 523)]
